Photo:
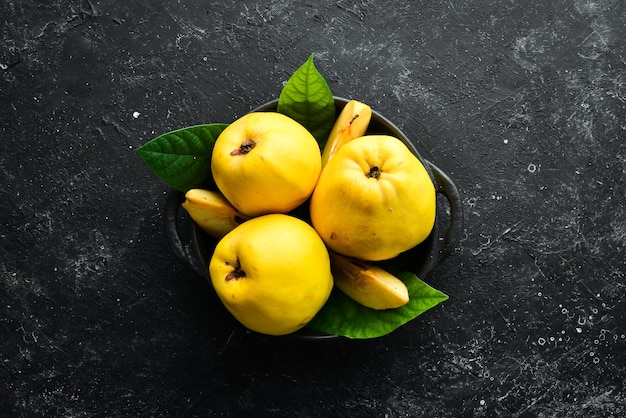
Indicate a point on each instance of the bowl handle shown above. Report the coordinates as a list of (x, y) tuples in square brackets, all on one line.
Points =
[(170, 217), (445, 186)]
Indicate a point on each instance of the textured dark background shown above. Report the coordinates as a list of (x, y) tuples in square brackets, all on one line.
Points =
[(522, 103)]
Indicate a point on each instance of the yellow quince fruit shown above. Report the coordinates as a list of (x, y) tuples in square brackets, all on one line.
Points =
[(266, 162), (352, 122), (367, 283), (272, 273), (212, 212), (374, 199)]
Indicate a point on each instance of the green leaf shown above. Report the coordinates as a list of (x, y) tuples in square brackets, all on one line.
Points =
[(182, 158), (342, 316), (307, 98)]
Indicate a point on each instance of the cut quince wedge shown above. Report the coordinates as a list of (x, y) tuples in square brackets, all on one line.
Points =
[(212, 212), (368, 284), (352, 122)]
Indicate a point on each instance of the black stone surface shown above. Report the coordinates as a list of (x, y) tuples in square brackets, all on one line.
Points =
[(523, 104)]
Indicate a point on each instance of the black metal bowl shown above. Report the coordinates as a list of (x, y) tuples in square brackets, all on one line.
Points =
[(420, 260)]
